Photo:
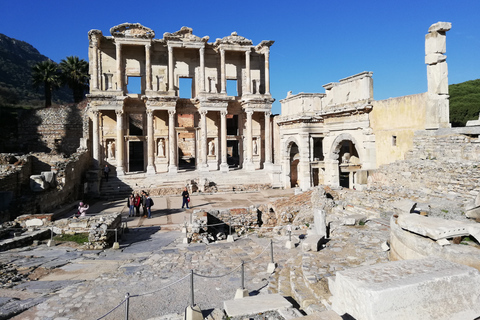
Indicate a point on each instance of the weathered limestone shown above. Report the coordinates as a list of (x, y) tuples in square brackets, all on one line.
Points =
[(255, 304), (430, 289), (472, 210)]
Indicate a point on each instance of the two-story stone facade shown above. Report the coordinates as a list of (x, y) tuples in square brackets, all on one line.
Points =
[(180, 102)]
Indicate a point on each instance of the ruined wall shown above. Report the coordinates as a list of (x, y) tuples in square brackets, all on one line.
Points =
[(55, 129), (394, 122)]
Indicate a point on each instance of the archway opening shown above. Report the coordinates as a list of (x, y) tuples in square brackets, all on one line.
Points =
[(349, 163), (294, 160)]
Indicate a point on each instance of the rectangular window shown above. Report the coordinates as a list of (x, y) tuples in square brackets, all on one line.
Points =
[(134, 85), (185, 88), (232, 89)]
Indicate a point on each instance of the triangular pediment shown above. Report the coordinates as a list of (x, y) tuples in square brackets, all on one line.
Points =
[(132, 30)]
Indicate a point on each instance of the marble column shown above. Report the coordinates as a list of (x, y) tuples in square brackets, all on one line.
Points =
[(202, 69), (223, 79), (249, 159), (172, 143), (95, 63), (223, 140), (95, 140), (267, 72), (248, 88), (268, 139), (119, 145), (148, 67), (150, 144), (203, 141), (118, 47), (170, 69)]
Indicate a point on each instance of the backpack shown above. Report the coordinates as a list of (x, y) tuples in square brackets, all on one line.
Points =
[(151, 202)]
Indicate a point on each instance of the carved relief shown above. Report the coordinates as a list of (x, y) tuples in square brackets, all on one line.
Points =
[(184, 34), (132, 30)]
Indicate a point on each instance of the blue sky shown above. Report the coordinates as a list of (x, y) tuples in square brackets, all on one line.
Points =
[(316, 42)]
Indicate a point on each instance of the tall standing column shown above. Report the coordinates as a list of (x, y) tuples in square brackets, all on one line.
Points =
[(95, 140), (268, 139), (203, 124), (223, 140), (150, 143), (222, 72), (120, 143), (248, 88), (95, 63), (249, 159), (267, 72), (148, 67), (172, 142), (118, 47), (202, 69), (170, 69)]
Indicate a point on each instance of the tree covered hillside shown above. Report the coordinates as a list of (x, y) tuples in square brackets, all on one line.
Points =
[(464, 102)]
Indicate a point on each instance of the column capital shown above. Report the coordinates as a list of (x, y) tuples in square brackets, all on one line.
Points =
[(268, 113), (149, 112), (170, 49), (171, 112), (148, 46), (203, 112), (95, 113), (119, 112), (202, 50), (249, 112), (223, 112)]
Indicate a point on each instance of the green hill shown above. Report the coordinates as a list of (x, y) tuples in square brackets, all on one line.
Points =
[(464, 102)]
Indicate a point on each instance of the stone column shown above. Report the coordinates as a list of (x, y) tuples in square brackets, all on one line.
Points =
[(267, 72), (202, 69), (223, 140), (172, 142), (249, 159), (248, 87), (170, 69), (119, 145), (222, 72), (203, 141), (150, 143), (268, 139), (148, 67), (95, 63), (311, 148), (95, 140), (118, 47)]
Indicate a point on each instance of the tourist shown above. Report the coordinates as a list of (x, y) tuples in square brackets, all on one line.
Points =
[(82, 209), (137, 203), (131, 205), (144, 204), (106, 171), (148, 205), (185, 198)]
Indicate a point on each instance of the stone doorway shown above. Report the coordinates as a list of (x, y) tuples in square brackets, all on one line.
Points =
[(135, 156), (294, 160), (233, 155)]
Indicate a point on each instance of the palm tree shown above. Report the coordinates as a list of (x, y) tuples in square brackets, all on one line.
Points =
[(46, 73), (75, 76)]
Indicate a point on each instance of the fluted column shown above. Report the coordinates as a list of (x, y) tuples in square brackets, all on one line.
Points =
[(170, 69), (172, 142), (249, 159), (268, 138), (267, 72), (118, 47), (202, 69), (150, 144), (148, 67), (248, 87), (119, 145), (223, 140), (203, 142), (95, 140), (222, 72)]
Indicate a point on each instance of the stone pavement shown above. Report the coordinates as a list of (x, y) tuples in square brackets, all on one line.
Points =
[(154, 266)]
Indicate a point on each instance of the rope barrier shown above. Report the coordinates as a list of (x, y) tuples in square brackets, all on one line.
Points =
[(171, 284), (221, 276), (112, 309)]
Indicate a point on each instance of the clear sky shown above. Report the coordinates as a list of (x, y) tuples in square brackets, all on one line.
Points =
[(316, 42)]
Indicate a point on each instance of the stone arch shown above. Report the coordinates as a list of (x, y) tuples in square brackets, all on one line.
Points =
[(344, 169), (291, 162), (336, 146)]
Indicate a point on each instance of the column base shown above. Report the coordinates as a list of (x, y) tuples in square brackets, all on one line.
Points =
[(249, 166), (172, 169), (224, 167), (151, 170), (268, 166), (120, 171), (203, 168)]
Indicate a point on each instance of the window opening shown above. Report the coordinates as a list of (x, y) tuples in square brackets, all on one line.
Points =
[(134, 85), (185, 88), (232, 89)]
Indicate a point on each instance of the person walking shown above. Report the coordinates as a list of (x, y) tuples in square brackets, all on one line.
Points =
[(137, 203), (106, 171), (131, 205), (148, 205), (144, 202), (185, 198)]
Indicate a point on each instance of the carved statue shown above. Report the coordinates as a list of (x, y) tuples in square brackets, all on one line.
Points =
[(110, 148), (255, 146), (211, 148), (161, 149)]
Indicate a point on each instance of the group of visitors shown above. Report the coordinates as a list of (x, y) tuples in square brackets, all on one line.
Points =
[(135, 201)]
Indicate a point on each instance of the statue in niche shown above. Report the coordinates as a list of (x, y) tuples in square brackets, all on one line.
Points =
[(211, 148), (161, 149), (111, 150), (255, 149)]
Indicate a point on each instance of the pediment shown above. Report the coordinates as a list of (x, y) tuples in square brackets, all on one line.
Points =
[(185, 34), (132, 30), (234, 38)]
